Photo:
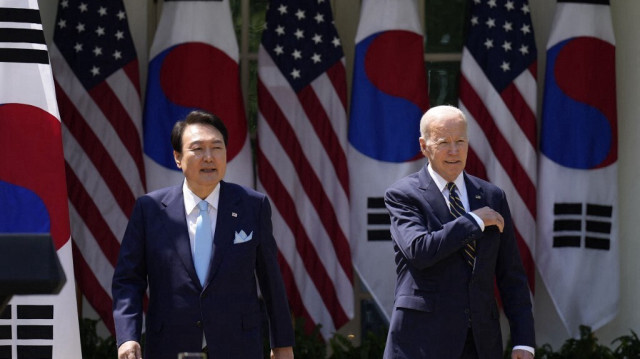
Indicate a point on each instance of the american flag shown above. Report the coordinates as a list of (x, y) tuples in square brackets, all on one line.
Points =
[(97, 85), (302, 166), (498, 96)]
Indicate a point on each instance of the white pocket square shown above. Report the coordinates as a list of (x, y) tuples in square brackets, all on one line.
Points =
[(242, 237)]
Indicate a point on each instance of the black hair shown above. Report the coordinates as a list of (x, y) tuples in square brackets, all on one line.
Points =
[(197, 117)]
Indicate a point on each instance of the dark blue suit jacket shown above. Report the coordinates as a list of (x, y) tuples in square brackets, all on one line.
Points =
[(155, 252), (437, 295)]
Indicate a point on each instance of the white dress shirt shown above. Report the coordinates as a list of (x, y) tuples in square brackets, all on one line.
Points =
[(191, 208), (462, 189), (192, 212)]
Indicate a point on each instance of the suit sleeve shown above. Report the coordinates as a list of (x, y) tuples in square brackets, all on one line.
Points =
[(420, 236), (130, 279), (512, 283), (271, 283)]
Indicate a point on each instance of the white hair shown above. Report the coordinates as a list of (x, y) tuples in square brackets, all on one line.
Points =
[(436, 113)]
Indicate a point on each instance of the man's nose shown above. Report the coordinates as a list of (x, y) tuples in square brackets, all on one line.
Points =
[(207, 154)]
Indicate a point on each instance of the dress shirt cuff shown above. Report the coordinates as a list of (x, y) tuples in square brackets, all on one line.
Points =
[(478, 220), (524, 347)]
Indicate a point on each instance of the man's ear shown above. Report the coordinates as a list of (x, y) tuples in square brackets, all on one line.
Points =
[(423, 144), (178, 157)]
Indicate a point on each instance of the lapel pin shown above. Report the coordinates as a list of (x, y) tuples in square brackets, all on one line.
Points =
[(234, 214), (478, 196)]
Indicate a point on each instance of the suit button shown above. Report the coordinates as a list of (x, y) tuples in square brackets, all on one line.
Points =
[(466, 311), (199, 324), (204, 295)]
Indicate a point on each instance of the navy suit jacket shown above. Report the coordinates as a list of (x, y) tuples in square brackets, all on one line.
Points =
[(156, 253), (438, 296)]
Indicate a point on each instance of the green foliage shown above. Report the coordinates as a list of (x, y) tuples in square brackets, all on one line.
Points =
[(311, 346), (628, 347), (94, 347), (308, 345), (372, 347), (587, 346)]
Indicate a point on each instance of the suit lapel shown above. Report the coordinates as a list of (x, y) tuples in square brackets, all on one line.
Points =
[(226, 222), (434, 196), (176, 230), (475, 193)]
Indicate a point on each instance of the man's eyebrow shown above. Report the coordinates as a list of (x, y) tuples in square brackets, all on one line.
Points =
[(198, 142)]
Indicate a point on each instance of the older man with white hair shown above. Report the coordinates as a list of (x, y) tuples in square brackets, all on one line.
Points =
[(453, 239)]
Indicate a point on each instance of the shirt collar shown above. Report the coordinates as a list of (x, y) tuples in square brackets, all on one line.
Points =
[(191, 200), (442, 183)]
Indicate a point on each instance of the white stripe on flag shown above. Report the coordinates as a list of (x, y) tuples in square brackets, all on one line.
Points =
[(306, 212), (307, 290), (523, 219), (83, 168), (91, 252), (123, 87)]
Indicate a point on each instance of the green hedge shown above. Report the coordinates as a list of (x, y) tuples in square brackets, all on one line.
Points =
[(587, 347), (311, 346)]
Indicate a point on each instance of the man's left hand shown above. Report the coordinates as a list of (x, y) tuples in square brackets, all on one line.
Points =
[(282, 353), (521, 354)]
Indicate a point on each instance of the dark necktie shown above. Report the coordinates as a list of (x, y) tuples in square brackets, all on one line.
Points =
[(457, 209)]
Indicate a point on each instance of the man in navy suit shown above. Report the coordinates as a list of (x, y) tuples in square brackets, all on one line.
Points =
[(198, 304), (448, 258)]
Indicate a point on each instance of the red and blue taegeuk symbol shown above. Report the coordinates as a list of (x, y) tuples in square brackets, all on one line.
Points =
[(191, 76), (389, 96), (32, 180), (580, 129)]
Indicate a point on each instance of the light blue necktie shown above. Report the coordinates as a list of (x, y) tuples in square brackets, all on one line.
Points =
[(203, 242)]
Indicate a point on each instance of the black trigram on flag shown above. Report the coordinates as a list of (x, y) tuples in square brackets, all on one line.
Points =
[(378, 221), (578, 225), (21, 36), (32, 330)]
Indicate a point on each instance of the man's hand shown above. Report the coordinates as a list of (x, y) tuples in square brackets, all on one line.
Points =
[(130, 350), (490, 217), (282, 353), (521, 354)]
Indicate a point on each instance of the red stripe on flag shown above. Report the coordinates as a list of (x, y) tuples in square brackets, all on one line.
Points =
[(322, 125), (533, 69), (283, 201), (474, 166), (521, 112), (91, 288), (119, 118), (337, 74), (86, 207), (527, 260), (293, 294), (94, 149), (308, 178), (499, 145), (133, 73)]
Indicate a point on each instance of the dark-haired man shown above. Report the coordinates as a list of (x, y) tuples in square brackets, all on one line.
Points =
[(198, 248)]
